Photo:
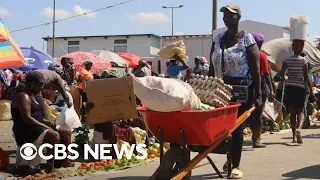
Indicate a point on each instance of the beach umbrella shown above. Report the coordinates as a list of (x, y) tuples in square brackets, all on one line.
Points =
[(132, 59), (36, 59), (10, 53), (99, 63), (278, 50), (111, 57)]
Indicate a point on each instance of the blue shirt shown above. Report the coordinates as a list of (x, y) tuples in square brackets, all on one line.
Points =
[(174, 71)]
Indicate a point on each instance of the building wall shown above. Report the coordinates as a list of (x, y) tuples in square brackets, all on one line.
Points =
[(196, 46), (139, 45), (268, 30)]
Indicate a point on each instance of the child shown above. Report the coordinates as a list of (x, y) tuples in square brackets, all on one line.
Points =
[(298, 77)]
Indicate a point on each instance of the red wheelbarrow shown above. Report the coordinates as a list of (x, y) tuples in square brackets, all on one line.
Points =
[(199, 131)]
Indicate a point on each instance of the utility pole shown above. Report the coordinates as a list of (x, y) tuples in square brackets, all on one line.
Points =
[(165, 7), (214, 16), (54, 28)]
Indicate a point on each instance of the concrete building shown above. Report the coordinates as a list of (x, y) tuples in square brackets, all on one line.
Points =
[(270, 31), (200, 45), (139, 44)]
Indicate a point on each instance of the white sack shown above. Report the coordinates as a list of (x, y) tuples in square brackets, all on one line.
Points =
[(164, 94)]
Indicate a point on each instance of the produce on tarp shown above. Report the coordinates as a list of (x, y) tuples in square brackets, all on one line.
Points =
[(154, 150), (140, 135), (120, 143), (42, 175), (211, 90)]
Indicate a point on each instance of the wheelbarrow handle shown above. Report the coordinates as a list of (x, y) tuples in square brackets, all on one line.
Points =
[(242, 119), (214, 145)]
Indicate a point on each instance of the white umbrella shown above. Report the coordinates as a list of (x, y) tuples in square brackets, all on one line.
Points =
[(111, 57), (278, 50)]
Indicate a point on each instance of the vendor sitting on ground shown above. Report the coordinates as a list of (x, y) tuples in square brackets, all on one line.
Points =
[(28, 114)]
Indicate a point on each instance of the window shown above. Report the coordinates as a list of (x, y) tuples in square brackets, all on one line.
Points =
[(120, 48), (73, 43), (73, 46), (120, 41), (73, 49)]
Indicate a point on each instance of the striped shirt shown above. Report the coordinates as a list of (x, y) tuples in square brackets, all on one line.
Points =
[(295, 74)]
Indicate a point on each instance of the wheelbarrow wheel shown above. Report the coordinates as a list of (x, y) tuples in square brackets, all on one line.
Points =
[(171, 164)]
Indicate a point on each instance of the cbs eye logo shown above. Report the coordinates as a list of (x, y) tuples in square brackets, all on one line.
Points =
[(28, 151)]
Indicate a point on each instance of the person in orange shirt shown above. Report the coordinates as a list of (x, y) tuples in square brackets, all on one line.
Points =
[(85, 75)]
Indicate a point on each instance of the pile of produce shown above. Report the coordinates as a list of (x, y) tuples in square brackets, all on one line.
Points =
[(154, 150), (41, 176), (211, 90), (5, 110), (316, 115), (120, 143), (140, 135), (176, 48), (103, 165)]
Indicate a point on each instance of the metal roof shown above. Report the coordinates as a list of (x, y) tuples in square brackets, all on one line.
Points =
[(99, 36)]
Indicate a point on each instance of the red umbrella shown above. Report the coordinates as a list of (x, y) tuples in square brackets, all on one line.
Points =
[(99, 63), (132, 59)]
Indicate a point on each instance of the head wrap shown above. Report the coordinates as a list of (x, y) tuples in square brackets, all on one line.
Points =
[(86, 62), (259, 38)]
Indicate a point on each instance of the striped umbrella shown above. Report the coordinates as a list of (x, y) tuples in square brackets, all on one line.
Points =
[(99, 63), (10, 53)]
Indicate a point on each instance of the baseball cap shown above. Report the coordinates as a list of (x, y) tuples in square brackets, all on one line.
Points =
[(234, 8), (86, 62), (36, 76)]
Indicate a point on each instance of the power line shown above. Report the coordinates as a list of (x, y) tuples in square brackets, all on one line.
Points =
[(71, 17)]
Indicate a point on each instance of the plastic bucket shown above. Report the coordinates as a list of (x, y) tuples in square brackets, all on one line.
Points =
[(299, 28)]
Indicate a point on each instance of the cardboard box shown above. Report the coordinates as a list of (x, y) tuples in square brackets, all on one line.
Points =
[(113, 100), (76, 99)]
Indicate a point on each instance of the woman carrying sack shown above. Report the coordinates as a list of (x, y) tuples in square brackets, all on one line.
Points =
[(235, 58)]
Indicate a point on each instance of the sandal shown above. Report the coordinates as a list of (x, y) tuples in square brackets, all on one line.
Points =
[(299, 137), (235, 174)]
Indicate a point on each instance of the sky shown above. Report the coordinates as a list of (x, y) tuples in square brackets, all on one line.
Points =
[(141, 17)]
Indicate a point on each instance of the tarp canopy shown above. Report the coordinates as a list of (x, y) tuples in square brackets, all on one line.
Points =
[(278, 50)]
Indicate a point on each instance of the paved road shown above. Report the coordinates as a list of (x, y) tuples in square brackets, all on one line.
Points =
[(280, 160)]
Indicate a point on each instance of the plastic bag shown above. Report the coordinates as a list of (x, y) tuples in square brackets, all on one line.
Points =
[(69, 117), (271, 110)]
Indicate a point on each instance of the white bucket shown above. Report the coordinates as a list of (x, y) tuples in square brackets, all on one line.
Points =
[(298, 27)]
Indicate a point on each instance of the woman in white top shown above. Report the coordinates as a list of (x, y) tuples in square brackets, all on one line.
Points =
[(235, 54)]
